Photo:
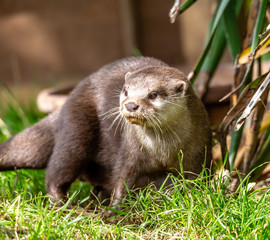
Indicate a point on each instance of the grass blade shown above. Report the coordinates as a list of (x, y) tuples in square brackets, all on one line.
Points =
[(10, 98)]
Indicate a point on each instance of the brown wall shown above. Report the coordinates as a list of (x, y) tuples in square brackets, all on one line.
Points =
[(45, 40)]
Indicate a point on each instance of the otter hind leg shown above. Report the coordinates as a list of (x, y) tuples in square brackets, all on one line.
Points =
[(63, 169), (68, 161)]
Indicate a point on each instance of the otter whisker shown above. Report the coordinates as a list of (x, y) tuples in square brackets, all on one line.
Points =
[(173, 132), (161, 116), (157, 119), (154, 123), (167, 130), (123, 123), (117, 90), (168, 135), (116, 96), (158, 123), (178, 105), (114, 121), (176, 96), (110, 115), (119, 122), (109, 111)]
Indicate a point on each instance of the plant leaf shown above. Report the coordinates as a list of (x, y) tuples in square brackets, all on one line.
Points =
[(265, 122), (231, 30), (186, 5), (262, 160), (179, 8), (219, 13), (235, 111), (211, 61), (259, 23), (244, 55)]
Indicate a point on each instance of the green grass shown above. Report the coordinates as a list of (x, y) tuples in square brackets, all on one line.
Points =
[(207, 211)]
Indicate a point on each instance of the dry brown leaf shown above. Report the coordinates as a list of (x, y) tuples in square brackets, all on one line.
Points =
[(263, 48), (174, 10), (260, 89), (234, 112)]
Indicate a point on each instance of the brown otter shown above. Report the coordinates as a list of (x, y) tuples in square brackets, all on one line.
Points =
[(137, 141)]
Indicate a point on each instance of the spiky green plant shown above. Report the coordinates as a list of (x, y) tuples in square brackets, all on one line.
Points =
[(231, 20)]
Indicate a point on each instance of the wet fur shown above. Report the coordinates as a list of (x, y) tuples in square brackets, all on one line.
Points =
[(89, 138)]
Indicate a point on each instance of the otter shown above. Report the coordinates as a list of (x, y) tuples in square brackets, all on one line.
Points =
[(124, 124)]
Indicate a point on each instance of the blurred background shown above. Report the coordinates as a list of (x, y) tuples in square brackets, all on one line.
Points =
[(57, 43), (48, 42)]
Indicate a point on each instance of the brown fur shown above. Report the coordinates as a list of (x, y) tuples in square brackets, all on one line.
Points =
[(83, 140)]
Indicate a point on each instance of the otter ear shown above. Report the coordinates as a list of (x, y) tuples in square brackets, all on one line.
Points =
[(181, 87), (127, 75)]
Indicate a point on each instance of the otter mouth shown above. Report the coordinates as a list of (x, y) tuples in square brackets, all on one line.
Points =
[(134, 120)]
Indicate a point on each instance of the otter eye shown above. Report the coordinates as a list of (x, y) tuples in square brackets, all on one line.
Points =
[(152, 95), (125, 92)]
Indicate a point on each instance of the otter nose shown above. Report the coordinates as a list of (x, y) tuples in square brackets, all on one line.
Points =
[(131, 107)]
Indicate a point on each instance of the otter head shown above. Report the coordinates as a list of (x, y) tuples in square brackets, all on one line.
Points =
[(153, 95)]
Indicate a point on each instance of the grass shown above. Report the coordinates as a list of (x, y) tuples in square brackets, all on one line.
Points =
[(206, 211)]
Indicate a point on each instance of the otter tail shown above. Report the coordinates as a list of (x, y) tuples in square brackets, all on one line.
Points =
[(31, 148)]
